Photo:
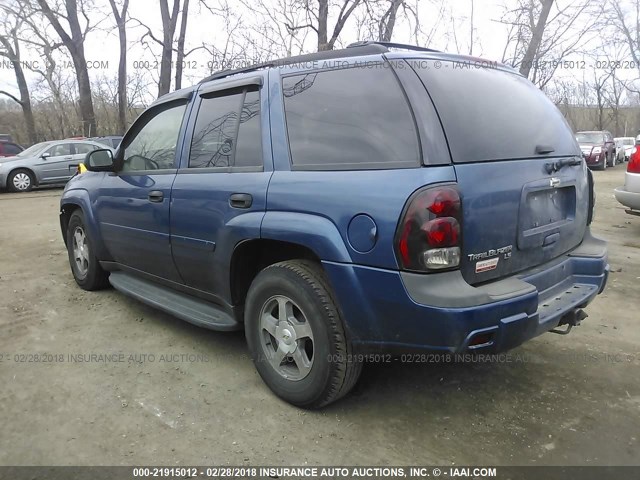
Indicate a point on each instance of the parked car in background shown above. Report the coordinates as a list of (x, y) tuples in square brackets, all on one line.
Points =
[(44, 163), (624, 145), (9, 149), (111, 141), (281, 201), (598, 148), (629, 194)]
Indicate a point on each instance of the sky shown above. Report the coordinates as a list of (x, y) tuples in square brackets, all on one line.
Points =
[(102, 51)]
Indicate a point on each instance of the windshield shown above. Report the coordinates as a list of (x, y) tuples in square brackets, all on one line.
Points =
[(33, 149), (589, 137), (628, 141)]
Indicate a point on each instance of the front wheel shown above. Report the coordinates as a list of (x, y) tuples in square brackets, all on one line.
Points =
[(296, 337), (85, 267), (20, 181)]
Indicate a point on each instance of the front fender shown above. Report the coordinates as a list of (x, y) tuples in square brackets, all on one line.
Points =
[(312, 231), (79, 198)]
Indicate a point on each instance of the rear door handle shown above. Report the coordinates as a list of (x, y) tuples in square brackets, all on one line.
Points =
[(156, 196), (240, 200)]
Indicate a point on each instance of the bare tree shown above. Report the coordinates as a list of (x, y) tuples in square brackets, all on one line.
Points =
[(9, 40), (536, 38), (539, 40), (74, 43), (120, 15), (180, 55), (318, 20)]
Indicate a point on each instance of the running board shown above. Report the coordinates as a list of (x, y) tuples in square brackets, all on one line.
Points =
[(183, 306)]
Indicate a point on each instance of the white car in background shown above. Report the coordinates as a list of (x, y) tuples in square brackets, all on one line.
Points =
[(629, 194), (624, 144)]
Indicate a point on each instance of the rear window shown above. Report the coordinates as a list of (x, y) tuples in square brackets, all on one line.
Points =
[(11, 149), (353, 118), (490, 114)]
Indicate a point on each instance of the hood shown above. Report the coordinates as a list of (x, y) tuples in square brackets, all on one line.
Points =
[(11, 159)]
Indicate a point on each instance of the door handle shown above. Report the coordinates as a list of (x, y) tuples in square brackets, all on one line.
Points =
[(240, 200), (156, 196)]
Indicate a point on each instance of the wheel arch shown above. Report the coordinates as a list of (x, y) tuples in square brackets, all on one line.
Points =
[(250, 257), (72, 201), (33, 174)]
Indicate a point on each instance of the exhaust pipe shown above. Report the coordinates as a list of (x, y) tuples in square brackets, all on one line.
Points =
[(571, 319)]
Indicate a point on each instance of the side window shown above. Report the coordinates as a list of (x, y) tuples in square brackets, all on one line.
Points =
[(60, 150), (348, 119), (227, 131), (153, 147), (83, 148), (249, 145)]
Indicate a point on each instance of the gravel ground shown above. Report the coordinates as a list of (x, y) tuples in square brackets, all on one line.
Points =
[(170, 393)]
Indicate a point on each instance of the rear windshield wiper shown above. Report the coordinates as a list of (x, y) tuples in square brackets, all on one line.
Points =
[(556, 166)]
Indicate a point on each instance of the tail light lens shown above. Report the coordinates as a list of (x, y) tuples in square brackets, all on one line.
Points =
[(634, 161), (428, 236)]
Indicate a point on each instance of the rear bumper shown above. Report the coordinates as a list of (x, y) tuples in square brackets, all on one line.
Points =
[(392, 311), (629, 194)]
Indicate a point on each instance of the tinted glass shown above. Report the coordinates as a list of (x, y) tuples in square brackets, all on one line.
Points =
[(491, 114), (349, 118), (59, 150), (249, 143), (11, 149), (84, 148), (214, 135), (154, 146)]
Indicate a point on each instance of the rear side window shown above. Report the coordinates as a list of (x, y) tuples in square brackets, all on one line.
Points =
[(354, 118), (490, 114), (227, 131), (83, 148)]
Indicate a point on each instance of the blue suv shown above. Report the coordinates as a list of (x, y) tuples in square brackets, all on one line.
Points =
[(344, 205)]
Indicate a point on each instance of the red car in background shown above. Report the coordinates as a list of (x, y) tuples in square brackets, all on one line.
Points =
[(598, 148)]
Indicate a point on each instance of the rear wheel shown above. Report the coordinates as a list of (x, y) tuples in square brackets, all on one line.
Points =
[(20, 181), (614, 160), (85, 267), (296, 336)]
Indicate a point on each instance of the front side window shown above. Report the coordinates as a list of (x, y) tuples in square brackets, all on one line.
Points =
[(60, 150), (153, 147), (349, 119), (227, 131)]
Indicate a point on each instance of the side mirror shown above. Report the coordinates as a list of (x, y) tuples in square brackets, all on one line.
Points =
[(45, 155), (100, 160)]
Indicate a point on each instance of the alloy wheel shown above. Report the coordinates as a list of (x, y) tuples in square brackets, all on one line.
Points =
[(287, 338)]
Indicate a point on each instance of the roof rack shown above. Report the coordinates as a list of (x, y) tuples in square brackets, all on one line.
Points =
[(388, 45), (357, 49)]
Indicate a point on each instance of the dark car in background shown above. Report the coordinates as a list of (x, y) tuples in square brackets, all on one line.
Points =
[(598, 148), (9, 149), (111, 141)]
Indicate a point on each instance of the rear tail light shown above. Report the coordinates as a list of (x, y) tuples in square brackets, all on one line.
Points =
[(428, 236), (592, 197), (634, 161)]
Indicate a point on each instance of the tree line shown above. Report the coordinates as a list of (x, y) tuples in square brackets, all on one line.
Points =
[(597, 40)]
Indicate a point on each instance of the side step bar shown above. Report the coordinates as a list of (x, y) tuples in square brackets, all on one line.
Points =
[(183, 306)]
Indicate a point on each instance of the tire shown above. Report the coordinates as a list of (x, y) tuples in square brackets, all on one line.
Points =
[(20, 180), (85, 266), (603, 167), (279, 342), (614, 160)]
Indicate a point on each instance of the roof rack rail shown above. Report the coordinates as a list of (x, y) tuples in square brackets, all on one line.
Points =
[(354, 51), (392, 45)]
